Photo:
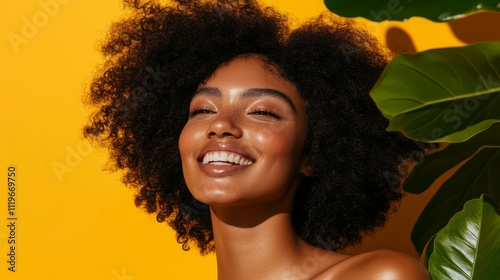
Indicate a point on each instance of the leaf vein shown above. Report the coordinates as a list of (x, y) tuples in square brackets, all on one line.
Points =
[(430, 79)]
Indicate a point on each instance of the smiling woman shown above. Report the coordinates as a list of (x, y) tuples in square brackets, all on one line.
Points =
[(245, 112), (255, 139)]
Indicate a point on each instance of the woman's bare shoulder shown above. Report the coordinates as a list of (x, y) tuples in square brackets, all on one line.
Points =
[(377, 265)]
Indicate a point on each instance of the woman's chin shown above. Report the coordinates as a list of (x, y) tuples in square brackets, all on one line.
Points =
[(221, 201), (216, 197)]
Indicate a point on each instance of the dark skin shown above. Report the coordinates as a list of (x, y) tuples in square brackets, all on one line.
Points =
[(242, 154), (161, 56)]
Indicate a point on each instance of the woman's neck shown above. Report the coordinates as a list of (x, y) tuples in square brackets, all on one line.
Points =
[(258, 242), (253, 242)]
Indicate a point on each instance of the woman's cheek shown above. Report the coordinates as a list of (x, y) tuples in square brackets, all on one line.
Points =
[(185, 143), (272, 133), (190, 134)]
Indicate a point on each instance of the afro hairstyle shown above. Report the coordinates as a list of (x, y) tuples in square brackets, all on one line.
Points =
[(157, 57)]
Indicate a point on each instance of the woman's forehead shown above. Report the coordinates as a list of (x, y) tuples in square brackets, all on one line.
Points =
[(245, 73)]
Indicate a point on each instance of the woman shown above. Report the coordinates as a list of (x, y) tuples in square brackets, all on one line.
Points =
[(249, 137)]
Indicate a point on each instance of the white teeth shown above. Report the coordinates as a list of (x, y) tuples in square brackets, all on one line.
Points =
[(224, 158), (206, 159)]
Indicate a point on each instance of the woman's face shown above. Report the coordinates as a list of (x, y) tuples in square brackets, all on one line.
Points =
[(244, 140)]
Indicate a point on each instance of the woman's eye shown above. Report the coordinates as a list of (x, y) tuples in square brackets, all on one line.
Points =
[(267, 113), (199, 111)]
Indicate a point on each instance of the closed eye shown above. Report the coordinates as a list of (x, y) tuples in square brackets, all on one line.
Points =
[(200, 111), (263, 112)]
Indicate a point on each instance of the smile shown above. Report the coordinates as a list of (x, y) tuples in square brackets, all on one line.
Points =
[(225, 158)]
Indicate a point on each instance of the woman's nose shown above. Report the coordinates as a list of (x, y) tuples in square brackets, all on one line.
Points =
[(225, 125)]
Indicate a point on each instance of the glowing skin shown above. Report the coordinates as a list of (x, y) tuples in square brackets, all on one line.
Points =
[(242, 153), (246, 112)]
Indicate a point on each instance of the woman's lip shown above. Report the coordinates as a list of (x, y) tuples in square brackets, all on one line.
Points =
[(219, 170)]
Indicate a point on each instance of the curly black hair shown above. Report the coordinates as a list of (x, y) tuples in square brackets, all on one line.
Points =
[(159, 55)]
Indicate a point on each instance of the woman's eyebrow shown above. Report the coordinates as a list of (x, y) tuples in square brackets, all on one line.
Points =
[(211, 91), (248, 93), (256, 92)]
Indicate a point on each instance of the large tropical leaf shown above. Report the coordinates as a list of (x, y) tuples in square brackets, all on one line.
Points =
[(436, 164), (442, 95), (403, 9), (480, 174), (427, 252), (469, 246)]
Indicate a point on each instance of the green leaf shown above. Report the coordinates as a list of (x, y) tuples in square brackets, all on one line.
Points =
[(469, 246), (480, 174), (441, 95), (404, 9), (427, 252), (433, 166)]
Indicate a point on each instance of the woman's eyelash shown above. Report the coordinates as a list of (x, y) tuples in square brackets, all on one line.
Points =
[(198, 111), (265, 112), (261, 112)]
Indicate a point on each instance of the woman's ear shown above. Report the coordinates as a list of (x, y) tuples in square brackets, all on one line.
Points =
[(305, 167)]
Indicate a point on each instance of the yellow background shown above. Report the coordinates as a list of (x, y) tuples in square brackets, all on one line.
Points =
[(76, 221)]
